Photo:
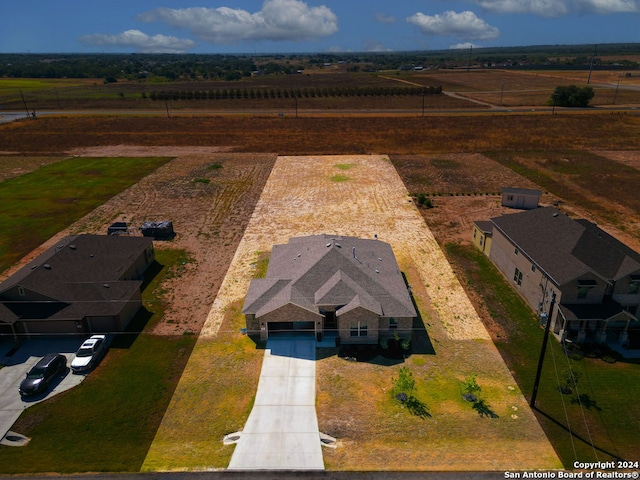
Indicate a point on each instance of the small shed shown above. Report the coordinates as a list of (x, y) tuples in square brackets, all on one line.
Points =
[(521, 198), (158, 230)]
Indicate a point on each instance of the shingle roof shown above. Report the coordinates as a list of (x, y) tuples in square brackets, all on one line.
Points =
[(485, 226), (566, 249), (332, 270), (522, 191), (80, 276)]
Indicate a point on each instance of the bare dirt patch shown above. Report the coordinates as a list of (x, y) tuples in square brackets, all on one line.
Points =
[(14, 166)]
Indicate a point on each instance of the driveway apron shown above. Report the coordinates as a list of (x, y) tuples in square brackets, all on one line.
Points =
[(282, 430)]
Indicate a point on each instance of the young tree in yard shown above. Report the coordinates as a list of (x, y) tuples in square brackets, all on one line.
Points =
[(470, 388), (404, 384)]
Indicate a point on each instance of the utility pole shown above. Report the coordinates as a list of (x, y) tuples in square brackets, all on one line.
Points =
[(469, 62), (542, 352), (591, 65), (25, 103), (615, 95)]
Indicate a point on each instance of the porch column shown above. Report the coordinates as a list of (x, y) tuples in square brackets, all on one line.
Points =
[(601, 336), (623, 338), (264, 335)]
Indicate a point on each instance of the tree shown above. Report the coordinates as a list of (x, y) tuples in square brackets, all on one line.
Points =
[(404, 384), (571, 96), (471, 387)]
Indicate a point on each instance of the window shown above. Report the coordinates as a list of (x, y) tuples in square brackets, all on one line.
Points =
[(21, 291), (393, 323), (633, 287), (475, 231), (510, 198), (517, 277), (481, 240), (533, 268), (357, 330), (516, 251), (584, 286)]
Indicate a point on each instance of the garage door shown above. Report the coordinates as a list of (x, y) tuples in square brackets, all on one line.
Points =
[(288, 327)]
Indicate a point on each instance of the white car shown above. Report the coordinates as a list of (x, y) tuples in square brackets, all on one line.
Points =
[(90, 353)]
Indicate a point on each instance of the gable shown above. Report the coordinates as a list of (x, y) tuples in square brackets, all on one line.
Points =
[(338, 290)]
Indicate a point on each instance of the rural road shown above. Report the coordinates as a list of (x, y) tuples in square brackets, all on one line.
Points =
[(10, 116)]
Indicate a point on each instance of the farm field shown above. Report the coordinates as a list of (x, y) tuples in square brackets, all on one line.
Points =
[(322, 91), (211, 188)]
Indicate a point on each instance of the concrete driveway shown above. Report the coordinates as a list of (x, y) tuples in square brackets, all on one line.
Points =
[(282, 430), (18, 362)]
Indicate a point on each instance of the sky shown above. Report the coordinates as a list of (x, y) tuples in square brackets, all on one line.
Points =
[(305, 26)]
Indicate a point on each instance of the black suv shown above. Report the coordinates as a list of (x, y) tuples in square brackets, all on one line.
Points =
[(42, 373)]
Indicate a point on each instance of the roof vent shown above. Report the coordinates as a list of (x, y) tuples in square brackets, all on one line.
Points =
[(47, 266), (338, 245), (72, 247), (106, 285), (555, 214), (377, 271), (328, 244)]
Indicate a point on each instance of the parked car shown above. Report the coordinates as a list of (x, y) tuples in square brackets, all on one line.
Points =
[(39, 377), (90, 353)]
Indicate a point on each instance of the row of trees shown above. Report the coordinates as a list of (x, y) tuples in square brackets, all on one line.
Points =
[(233, 67), (311, 92)]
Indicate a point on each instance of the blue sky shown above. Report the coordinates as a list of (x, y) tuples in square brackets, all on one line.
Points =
[(282, 26)]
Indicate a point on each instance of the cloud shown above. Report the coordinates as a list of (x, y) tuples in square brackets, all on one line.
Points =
[(384, 18), (140, 42), (279, 20), (465, 25), (557, 8), (371, 45), (464, 46)]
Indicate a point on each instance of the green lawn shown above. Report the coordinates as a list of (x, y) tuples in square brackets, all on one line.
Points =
[(14, 85), (604, 412), (36, 206), (109, 421)]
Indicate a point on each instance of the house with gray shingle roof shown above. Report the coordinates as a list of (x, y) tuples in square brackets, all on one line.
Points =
[(595, 277), (84, 284), (322, 283)]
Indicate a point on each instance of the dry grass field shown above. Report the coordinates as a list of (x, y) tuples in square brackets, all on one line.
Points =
[(328, 135)]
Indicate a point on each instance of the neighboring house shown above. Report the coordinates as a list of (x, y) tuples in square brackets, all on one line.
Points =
[(84, 284), (326, 283), (595, 277), (521, 198)]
